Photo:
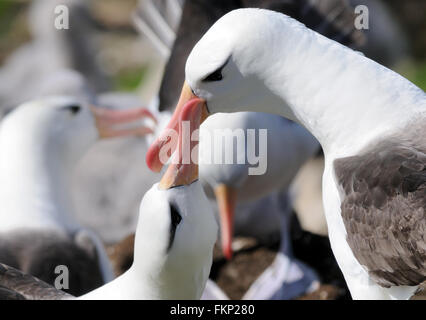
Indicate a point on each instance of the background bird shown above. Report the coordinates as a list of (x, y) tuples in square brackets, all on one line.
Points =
[(41, 141), (176, 229)]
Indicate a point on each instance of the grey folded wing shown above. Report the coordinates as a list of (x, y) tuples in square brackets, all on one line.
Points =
[(16, 285)]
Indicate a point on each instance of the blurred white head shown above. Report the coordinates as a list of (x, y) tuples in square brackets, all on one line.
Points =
[(40, 143), (59, 127)]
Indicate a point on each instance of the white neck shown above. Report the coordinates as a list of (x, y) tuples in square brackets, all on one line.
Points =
[(343, 98), (34, 185), (154, 281), (179, 272)]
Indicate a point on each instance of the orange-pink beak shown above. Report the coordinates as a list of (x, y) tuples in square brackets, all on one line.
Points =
[(193, 109), (153, 159), (108, 119), (184, 167)]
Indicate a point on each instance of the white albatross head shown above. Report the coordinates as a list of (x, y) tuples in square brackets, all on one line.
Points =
[(229, 69), (65, 127), (225, 68), (174, 242), (41, 142)]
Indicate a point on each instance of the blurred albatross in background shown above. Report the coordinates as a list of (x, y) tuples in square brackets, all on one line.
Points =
[(41, 141)]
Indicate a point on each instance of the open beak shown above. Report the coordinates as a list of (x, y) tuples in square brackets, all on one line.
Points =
[(184, 167), (187, 98), (226, 198), (107, 121)]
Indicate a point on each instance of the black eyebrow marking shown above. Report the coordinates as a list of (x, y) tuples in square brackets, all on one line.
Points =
[(217, 74), (175, 219), (73, 108)]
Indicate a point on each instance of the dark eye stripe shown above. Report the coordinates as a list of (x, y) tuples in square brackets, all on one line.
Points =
[(175, 219), (216, 75), (73, 108)]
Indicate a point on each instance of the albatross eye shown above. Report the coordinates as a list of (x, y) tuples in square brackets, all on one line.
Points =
[(73, 108), (215, 76), (175, 216), (175, 219)]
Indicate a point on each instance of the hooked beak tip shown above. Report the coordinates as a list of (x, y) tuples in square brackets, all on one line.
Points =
[(227, 252), (226, 198)]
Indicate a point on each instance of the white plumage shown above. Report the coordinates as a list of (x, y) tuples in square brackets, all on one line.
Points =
[(180, 272), (41, 141), (274, 64)]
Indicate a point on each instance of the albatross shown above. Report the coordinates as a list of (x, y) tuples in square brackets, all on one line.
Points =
[(173, 250), (367, 118), (41, 141)]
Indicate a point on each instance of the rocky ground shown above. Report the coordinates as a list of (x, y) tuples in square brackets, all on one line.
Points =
[(237, 275)]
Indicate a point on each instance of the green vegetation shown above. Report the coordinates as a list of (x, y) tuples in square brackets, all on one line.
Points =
[(8, 12), (6, 16), (130, 79), (419, 75), (416, 73)]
